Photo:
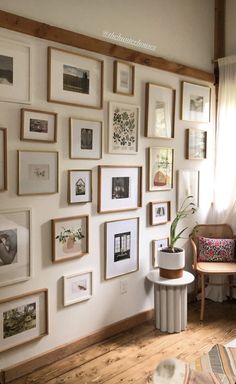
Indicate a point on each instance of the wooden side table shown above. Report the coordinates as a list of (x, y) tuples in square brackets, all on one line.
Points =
[(170, 301)]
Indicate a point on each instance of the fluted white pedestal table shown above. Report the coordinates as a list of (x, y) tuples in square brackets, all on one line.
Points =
[(170, 301)]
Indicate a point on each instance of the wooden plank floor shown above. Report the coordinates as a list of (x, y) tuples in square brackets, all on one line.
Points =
[(131, 356)]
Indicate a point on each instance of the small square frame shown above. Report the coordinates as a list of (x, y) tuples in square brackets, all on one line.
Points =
[(3, 159), (79, 186), (156, 246), (77, 287), (124, 78), (85, 139), (196, 144), (38, 125), (160, 212), (161, 164), (195, 102)]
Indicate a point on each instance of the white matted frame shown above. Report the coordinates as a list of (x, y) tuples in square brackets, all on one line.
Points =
[(119, 188), (122, 247), (15, 246), (156, 246), (161, 163), (187, 185), (23, 318), (74, 79), (195, 102), (123, 128), (77, 287), (15, 72), (3, 159), (38, 126), (124, 78), (79, 186), (85, 139), (160, 212), (37, 172), (160, 111)]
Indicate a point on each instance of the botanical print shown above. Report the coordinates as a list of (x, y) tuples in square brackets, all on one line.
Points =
[(6, 70), (75, 79), (8, 247), (86, 138), (39, 126), (122, 244), (120, 187), (196, 103), (124, 129), (161, 168), (70, 238), (38, 171), (19, 319)]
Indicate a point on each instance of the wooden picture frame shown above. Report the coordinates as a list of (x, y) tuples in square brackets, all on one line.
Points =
[(161, 164), (123, 78), (85, 139), (3, 159), (196, 144), (119, 188), (79, 186), (74, 79), (196, 101), (188, 182), (159, 111), (160, 212), (24, 318), (77, 287), (70, 238), (37, 172), (156, 246), (38, 125), (121, 247)]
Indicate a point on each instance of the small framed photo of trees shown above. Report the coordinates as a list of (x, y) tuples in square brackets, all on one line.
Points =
[(196, 144)]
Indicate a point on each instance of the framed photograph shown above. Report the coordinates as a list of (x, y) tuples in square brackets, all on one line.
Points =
[(119, 188), (69, 238), (15, 246), (123, 128), (187, 185), (85, 139), (195, 102), (15, 72), (80, 186), (160, 111), (38, 126), (122, 247), (161, 162), (196, 144), (124, 76), (23, 318), (74, 79), (156, 246), (159, 212), (3, 159), (77, 287), (37, 172)]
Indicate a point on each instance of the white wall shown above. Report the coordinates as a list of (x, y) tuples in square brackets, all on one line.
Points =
[(107, 304)]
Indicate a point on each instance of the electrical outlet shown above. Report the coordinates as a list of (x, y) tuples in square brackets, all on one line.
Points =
[(123, 286)]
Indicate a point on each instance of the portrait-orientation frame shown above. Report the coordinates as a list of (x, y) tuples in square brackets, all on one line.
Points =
[(119, 188), (161, 164), (160, 212), (156, 246), (3, 159), (38, 125), (74, 79), (77, 287), (196, 144), (121, 247), (196, 101), (37, 172), (79, 186), (15, 72), (35, 305), (159, 111), (66, 244), (15, 246), (85, 139), (124, 78), (188, 181), (123, 128)]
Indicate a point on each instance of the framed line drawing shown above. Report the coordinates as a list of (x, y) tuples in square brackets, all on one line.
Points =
[(77, 287), (37, 172), (122, 247), (15, 246), (195, 102), (119, 188), (70, 238), (79, 186), (161, 163), (85, 139), (187, 185), (124, 78), (15, 72), (74, 79), (23, 318), (156, 246), (196, 144), (3, 159), (123, 128), (160, 111), (159, 212), (38, 126)]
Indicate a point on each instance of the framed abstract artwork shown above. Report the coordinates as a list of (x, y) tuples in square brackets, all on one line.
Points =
[(160, 212), (187, 185), (3, 159), (195, 102), (124, 78), (196, 144), (156, 246), (79, 186), (77, 287), (38, 126), (161, 162), (85, 139)]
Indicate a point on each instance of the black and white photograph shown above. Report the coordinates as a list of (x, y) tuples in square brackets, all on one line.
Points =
[(6, 70), (80, 186), (122, 246), (120, 187), (8, 246), (159, 212), (196, 103), (196, 100), (75, 79), (86, 138), (38, 125), (19, 319)]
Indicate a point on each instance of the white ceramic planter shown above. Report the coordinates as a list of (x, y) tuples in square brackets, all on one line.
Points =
[(171, 264)]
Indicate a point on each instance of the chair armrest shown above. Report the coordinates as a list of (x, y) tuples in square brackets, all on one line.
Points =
[(194, 247)]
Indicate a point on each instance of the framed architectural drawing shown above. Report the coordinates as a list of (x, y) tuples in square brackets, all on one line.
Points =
[(195, 102), (80, 186), (156, 246), (161, 161), (124, 78), (74, 79), (85, 139), (160, 111), (196, 144), (187, 185), (77, 287), (38, 126), (122, 247), (159, 212), (3, 159)]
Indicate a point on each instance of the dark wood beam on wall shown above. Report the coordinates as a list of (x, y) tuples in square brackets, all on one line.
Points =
[(74, 39), (219, 35)]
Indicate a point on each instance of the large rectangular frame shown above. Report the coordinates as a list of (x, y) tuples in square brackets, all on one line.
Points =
[(161, 164), (3, 159)]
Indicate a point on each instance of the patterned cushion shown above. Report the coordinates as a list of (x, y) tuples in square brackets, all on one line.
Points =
[(216, 249)]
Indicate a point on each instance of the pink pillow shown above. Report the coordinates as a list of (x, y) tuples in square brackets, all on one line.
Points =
[(216, 249)]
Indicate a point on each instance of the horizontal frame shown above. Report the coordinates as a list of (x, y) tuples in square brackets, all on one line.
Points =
[(161, 164), (196, 144), (79, 186), (77, 287), (38, 125), (123, 78), (196, 101), (160, 212), (3, 159), (156, 246), (188, 183)]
